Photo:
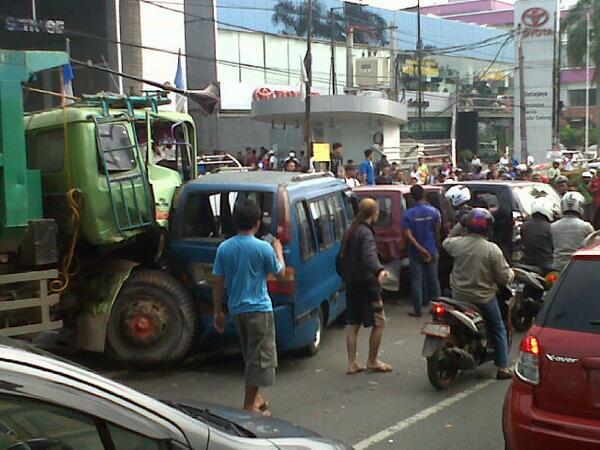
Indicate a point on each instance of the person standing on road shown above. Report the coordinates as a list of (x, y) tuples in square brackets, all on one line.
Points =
[(421, 225), (479, 267), (337, 160), (242, 266), (569, 232), (366, 171), (363, 274)]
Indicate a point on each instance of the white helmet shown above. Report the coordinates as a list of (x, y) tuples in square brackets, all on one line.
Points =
[(572, 201), (522, 167), (458, 195), (546, 207)]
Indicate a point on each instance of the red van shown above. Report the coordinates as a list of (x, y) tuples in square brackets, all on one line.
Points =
[(393, 200), (554, 399)]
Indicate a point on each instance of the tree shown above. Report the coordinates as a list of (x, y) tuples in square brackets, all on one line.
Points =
[(369, 27), (575, 26)]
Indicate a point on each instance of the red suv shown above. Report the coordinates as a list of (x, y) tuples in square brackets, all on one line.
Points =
[(554, 399)]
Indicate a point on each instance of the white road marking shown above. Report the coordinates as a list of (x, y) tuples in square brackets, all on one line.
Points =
[(403, 424)]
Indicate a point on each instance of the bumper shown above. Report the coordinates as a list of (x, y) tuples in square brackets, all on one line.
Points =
[(526, 427)]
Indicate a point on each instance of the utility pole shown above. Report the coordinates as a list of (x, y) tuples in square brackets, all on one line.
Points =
[(33, 10), (308, 67), (419, 70), (349, 58), (393, 68), (587, 81), (333, 75), (522, 108)]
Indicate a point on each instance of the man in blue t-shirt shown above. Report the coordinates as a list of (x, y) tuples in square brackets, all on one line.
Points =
[(421, 225), (242, 266), (366, 171)]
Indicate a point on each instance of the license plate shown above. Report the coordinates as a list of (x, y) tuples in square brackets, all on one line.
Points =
[(436, 329)]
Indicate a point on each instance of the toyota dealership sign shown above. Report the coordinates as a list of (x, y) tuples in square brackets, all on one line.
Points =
[(539, 25)]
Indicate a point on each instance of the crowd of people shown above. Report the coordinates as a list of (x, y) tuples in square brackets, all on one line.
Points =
[(243, 263)]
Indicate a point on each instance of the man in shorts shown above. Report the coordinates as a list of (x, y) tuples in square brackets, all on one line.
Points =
[(242, 266), (363, 274)]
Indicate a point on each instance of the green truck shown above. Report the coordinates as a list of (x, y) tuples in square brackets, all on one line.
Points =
[(85, 195)]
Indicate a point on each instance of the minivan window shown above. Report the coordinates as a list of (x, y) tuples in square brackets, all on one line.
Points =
[(117, 148), (308, 246), (525, 195), (336, 212), (385, 211), (209, 215), (320, 217), (575, 304)]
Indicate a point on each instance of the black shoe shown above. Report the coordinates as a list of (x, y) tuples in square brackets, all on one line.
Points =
[(414, 314), (504, 374)]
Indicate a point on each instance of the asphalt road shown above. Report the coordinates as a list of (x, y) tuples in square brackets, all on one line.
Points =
[(399, 410)]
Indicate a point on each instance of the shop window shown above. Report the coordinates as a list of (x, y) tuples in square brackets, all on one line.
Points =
[(577, 97)]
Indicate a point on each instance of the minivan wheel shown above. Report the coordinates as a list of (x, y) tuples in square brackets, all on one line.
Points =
[(315, 346), (152, 321)]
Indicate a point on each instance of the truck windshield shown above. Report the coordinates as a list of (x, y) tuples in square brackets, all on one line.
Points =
[(209, 215), (116, 146)]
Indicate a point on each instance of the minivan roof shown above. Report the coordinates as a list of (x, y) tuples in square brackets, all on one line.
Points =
[(256, 179), (403, 188)]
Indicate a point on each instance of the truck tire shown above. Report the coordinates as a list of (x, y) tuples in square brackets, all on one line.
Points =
[(152, 321)]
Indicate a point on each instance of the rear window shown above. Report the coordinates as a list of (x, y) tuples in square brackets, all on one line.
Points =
[(210, 215), (575, 302), (525, 195)]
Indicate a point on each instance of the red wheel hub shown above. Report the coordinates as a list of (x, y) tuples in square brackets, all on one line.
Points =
[(144, 321)]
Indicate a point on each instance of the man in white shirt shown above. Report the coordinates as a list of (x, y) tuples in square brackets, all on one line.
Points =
[(273, 161)]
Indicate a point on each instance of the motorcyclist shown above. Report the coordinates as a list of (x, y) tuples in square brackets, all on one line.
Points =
[(569, 232), (561, 184), (479, 267), (459, 196), (536, 235)]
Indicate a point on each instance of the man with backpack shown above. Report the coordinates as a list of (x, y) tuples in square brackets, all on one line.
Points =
[(363, 274)]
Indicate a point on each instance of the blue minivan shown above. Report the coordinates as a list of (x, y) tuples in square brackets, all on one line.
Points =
[(308, 213)]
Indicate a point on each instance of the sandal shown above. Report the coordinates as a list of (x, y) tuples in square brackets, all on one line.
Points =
[(357, 369)]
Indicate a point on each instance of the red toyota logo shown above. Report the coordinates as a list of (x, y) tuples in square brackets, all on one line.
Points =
[(263, 93), (535, 17)]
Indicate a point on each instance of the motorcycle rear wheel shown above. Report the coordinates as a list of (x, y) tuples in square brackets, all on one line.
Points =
[(440, 370), (521, 319)]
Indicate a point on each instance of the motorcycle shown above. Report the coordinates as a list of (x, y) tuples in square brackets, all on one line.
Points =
[(531, 284), (457, 338)]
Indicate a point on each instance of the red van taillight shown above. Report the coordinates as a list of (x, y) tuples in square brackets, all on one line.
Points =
[(283, 285), (284, 227), (528, 364)]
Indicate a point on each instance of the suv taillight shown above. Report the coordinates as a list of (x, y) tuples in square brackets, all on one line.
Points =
[(528, 364)]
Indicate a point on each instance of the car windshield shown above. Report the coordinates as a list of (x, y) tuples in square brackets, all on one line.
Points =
[(575, 304), (525, 195)]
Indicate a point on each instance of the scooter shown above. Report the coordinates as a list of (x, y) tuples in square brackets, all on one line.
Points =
[(530, 289), (457, 338)]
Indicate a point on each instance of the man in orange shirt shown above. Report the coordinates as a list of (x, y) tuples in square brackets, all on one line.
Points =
[(595, 191)]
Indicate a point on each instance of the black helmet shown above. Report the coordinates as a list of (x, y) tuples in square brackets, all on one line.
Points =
[(479, 221)]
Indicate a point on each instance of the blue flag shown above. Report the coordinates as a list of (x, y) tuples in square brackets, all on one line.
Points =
[(68, 82), (180, 102)]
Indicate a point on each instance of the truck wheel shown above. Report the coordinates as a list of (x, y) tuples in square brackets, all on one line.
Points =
[(152, 321), (441, 371), (313, 348)]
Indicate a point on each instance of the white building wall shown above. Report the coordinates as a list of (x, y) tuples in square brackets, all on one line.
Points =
[(165, 30)]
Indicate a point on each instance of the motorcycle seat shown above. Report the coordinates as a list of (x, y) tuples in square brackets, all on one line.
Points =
[(534, 269), (459, 304)]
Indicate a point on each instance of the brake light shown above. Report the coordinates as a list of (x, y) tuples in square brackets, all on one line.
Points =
[(528, 364), (531, 345), (284, 227), (438, 309), (283, 285), (551, 278)]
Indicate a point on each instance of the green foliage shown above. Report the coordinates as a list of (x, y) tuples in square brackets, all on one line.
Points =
[(369, 27), (572, 137), (575, 28)]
